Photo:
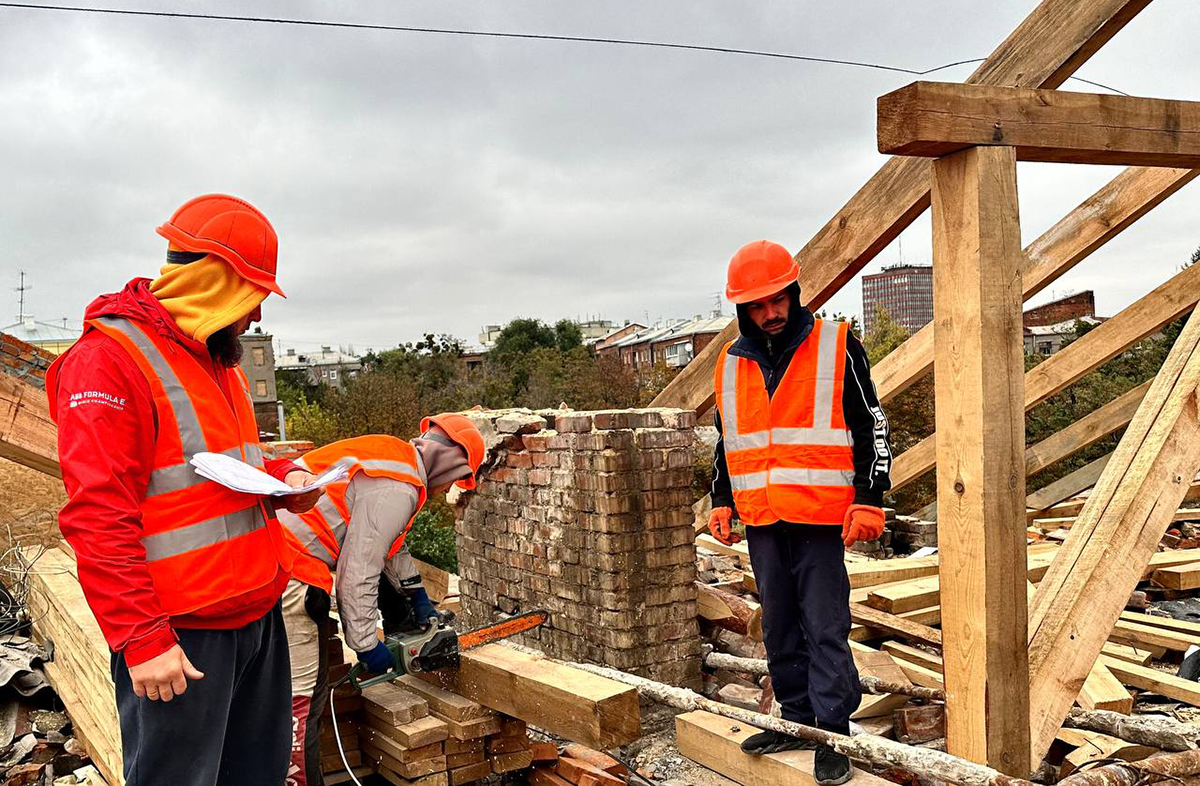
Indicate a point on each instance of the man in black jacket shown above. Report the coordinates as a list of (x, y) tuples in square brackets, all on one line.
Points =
[(791, 480)]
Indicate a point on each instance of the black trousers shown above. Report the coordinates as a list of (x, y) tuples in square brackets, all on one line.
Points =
[(232, 728), (805, 596)]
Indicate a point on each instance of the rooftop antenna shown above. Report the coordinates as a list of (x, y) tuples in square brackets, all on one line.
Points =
[(718, 306), (22, 290)]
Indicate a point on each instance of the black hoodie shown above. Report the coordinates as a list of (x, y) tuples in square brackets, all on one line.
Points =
[(864, 415)]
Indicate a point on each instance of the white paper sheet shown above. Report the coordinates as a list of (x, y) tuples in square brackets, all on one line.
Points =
[(236, 474)]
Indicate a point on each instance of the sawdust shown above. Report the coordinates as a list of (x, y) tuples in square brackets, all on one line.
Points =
[(655, 752), (29, 505)]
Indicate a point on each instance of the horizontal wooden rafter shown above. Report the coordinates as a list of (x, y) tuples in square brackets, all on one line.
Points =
[(933, 119)]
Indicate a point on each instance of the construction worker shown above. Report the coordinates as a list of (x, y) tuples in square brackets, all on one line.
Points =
[(358, 531), (183, 575), (803, 461)]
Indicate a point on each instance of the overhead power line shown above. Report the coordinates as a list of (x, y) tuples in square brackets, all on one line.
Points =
[(509, 35)]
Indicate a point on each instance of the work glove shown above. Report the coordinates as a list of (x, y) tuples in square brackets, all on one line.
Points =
[(379, 660), (862, 522), (720, 524), (423, 609)]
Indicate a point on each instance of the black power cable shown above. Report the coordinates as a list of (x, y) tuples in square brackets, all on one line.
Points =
[(500, 34)]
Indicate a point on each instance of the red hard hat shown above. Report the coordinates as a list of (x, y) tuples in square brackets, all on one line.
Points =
[(466, 434), (229, 228), (759, 269)]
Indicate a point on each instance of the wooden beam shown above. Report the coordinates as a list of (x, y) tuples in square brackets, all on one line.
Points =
[(898, 626), (1169, 623), (1068, 486), (562, 700), (899, 597), (933, 119), (79, 671), (1094, 222), (873, 663), (925, 617), (1114, 537), (1043, 51), (979, 364), (1179, 577), (1160, 682), (27, 434), (1162, 305), (714, 742), (1103, 691), (1088, 430)]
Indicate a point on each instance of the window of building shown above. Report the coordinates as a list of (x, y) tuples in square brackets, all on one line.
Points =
[(260, 356), (333, 374), (260, 387)]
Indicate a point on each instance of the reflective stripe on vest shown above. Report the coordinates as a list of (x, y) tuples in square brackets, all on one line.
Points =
[(165, 480), (321, 531), (205, 544), (174, 542), (800, 470)]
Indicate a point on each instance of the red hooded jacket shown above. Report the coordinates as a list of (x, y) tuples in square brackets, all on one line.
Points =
[(106, 449)]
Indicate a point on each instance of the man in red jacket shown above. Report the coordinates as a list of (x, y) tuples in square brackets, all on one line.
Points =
[(183, 575)]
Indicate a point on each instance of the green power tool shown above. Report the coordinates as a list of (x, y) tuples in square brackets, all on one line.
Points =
[(438, 647)]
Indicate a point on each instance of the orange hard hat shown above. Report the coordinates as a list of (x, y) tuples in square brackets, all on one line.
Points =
[(759, 269), (466, 434), (229, 228)]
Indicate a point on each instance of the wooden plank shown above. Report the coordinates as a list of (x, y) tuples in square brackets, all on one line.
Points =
[(934, 119), (1103, 691), (79, 671), (1068, 486), (1094, 222), (1047, 47), (27, 434), (1114, 538), (564, 701), (1179, 577), (1169, 623), (1146, 636), (930, 616), (713, 742), (918, 594), (1086, 431), (873, 663), (920, 675), (1160, 682), (443, 702), (899, 626), (914, 655), (979, 363), (1091, 746), (1128, 653), (436, 581), (1162, 305), (875, 572)]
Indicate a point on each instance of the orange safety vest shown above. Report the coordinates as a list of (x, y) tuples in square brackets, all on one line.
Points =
[(319, 533), (204, 543), (790, 455)]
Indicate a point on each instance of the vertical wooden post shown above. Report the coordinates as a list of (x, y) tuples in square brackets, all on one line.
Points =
[(979, 366)]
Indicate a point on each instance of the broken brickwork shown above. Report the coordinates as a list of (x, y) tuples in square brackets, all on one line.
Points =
[(588, 515), (24, 361)]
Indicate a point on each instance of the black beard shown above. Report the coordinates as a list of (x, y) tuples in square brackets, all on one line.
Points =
[(224, 347)]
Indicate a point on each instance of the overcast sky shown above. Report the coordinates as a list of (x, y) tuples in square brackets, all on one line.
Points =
[(432, 183)]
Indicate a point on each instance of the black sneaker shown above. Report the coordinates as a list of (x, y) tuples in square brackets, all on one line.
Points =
[(830, 767), (773, 742)]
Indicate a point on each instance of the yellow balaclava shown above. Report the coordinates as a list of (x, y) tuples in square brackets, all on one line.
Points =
[(205, 296)]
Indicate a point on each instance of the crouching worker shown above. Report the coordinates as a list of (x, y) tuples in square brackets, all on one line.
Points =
[(357, 532)]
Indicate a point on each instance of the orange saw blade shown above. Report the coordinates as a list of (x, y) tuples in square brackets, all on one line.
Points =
[(502, 630)]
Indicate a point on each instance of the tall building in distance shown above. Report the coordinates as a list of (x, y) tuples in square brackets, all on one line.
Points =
[(904, 291)]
